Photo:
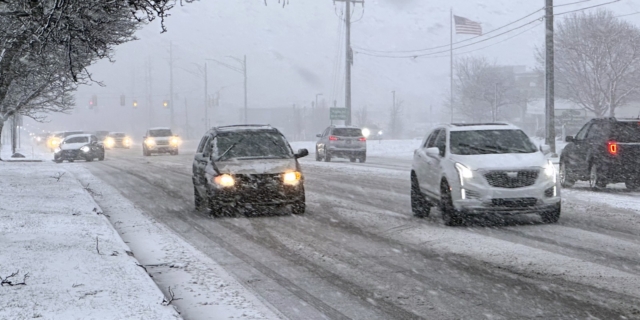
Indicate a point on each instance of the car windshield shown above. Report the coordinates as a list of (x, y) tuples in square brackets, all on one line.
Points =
[(626, 132), (118, 135), (347, 132), (76, 140), (160, 133), (252, 145), (490, 142), (70, 133)]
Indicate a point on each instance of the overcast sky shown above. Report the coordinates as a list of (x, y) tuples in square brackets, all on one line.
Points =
[(293, 52)]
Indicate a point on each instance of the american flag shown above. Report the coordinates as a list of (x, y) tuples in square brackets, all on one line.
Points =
[(466, 26)]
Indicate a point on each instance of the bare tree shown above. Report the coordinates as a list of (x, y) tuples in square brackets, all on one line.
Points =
[(395, 118), (482, 89), (362, 117), (597, 61)]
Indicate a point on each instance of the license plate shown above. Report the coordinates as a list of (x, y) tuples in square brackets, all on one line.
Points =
[(348, 141)]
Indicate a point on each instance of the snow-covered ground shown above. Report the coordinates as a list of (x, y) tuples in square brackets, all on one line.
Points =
[(73, 264)]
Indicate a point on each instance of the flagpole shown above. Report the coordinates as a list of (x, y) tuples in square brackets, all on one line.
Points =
[(451, 53)]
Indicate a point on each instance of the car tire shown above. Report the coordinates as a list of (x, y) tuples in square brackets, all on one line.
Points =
[(551, 216), (595, 179), (352, 159), (89, 158), (318, 158), (566, 180), (419, 204), (57, 160), (197, 199), (101, 157), (175, 153), (71, 160), (363, 159), (327, 156), (632, 184), (450, 215)]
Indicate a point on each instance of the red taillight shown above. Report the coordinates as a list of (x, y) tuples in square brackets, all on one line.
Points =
[(333, 138), (363, 139), (612, 147)]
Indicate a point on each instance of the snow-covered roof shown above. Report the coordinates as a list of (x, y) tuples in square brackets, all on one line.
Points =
[(78, 135), (341, 126), (244, 127), (160, 128), (481, 126)]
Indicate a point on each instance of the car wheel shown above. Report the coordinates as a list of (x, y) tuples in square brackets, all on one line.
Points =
[(632, 184), (566, 180), (89, 158), (450, 215), (175, 153), (101, 157), (363, 159), (198, 201), (327, 156), (551, 216), (318, 158), (595, 179), (352, 159), (71, 160), (419, 205)]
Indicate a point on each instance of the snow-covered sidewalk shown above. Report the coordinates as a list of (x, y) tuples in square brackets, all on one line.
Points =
[(60, 256)]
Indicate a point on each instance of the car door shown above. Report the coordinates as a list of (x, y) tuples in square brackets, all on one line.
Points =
[(322, 144), (424, 163), (435, 163), (200, 161), (576, 151), (93, 145), (594, 143)]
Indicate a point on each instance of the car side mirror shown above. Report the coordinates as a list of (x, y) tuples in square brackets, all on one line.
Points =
[(302, 153), (569, 139), (319, 135), (545, 149), (433, 152)]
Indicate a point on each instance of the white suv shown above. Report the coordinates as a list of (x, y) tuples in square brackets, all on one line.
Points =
[(483, 168)]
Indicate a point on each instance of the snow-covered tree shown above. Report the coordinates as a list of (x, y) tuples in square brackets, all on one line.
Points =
[(47, 45), (597, 61)]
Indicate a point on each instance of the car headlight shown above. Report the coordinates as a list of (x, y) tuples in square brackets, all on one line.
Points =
[(366, 132), (150, 142), (127, 141), (464, 172), (109, 142), (292, 178), (85, 149), (550, 170), (174, 141), (224, 180)]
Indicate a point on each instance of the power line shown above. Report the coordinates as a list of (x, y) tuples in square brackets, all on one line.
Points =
[(629, 14), (586, 8)]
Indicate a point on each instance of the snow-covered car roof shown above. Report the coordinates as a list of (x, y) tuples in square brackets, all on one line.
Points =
[(481, 126), (78, 135), (244, 127), (160, 128), (341, 126), (112, 133)]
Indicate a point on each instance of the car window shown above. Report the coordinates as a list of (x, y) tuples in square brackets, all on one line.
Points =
[(77, 140), (596, 131), (347, 132), (431, 141), (160, 133), (626, 132), (490, 142), (326, 132), (583, 132), (203, 142), (441, 142)]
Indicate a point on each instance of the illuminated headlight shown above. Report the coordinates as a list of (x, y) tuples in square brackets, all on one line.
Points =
[(150, 142), (127, 141), (109, 142), (292, 178), (174, 141), (224, 180), (464, 172), (550, 170), (57, 150), (85, 149), (366, 132), (38, 139)]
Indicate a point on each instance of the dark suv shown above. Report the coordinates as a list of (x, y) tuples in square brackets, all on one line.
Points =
[(603, 151), (247, 166)]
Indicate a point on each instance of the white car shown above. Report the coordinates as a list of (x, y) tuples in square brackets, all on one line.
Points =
[(471, 169)]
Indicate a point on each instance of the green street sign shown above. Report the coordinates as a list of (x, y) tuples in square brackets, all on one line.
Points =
[(338, 113)]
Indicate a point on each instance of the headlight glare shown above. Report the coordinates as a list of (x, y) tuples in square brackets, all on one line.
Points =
[(292, 178), (224, 180), (550, 170), (174, 141), (149, 142), (464, 172), (57, 150), (85, 149), (109, 142)]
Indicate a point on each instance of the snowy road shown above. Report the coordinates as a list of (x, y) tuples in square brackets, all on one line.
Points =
[(359, 254)]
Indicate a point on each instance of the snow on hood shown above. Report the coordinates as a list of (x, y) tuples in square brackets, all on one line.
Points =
[(257, 166), (72, 146), (502, 161)]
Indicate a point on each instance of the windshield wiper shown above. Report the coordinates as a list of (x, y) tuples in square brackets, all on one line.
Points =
[(475, 148), (229, 149)]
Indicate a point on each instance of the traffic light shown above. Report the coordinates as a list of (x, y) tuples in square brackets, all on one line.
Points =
[(135, 103), (165, 103), (122, 98), (93, 102)]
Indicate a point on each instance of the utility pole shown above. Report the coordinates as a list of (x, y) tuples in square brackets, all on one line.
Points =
[(246, 108), (348, 56), (171, 105), (206, 99), (186, 118), (495, 103), (549, 77)]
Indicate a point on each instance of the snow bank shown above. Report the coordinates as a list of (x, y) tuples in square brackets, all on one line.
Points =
[(78, 266)]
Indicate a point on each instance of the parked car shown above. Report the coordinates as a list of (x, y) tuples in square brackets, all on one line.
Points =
[(117, 140), (160, 140), (471, 169), (79, 147), (244, 165), (341, 142), (604, 151)]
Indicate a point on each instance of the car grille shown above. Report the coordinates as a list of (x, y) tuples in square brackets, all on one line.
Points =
[(514, 202), (263, 187), (512, 179), (162, 143), (69, 153)]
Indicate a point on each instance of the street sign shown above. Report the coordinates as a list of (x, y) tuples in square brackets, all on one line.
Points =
[(338, 113)]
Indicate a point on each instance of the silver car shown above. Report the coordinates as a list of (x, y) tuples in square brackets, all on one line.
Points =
[(341, 142)]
